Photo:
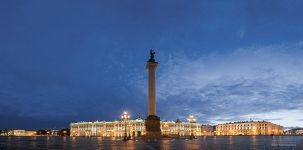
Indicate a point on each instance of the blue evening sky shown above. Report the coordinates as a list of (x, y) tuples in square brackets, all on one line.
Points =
[(64, 61)]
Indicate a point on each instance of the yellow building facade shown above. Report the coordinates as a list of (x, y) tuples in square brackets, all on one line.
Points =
[(22, 133), (249, 128), (171, 128), (133, 128), (207, 130)]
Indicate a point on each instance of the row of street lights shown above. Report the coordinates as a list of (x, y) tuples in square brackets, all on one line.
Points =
[(125, 116)]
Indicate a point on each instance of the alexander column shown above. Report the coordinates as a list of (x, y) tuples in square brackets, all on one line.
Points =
[(152, 122)]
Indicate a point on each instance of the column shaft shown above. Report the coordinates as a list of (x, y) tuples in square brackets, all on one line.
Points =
[(151, 91)]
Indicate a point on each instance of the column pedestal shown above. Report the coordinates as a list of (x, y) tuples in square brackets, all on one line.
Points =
[(152, 125)]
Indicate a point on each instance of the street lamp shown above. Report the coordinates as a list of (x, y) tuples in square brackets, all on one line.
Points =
[(191, 119), (125, 116)]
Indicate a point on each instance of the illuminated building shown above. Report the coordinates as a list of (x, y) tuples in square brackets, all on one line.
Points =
[(299, 131), (294, 131), (134, 128), (174, 128), (178, 128), (207, 130), (249, 128), (23, 133), (108, 129)]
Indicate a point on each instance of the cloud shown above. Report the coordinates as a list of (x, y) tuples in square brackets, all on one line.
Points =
[(241, 32), (232, 86), (286, 117)]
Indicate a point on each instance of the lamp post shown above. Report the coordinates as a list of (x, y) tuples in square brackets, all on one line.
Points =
[(191, 119), (125, 116)]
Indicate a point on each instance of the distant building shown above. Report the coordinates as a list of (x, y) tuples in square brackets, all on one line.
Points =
[(249, 128), (294, 131), (133, 128), (299, 131), (207, 130), (63, 132), (22, 133)]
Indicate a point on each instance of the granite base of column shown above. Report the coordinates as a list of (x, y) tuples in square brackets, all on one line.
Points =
[(152, 126)]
